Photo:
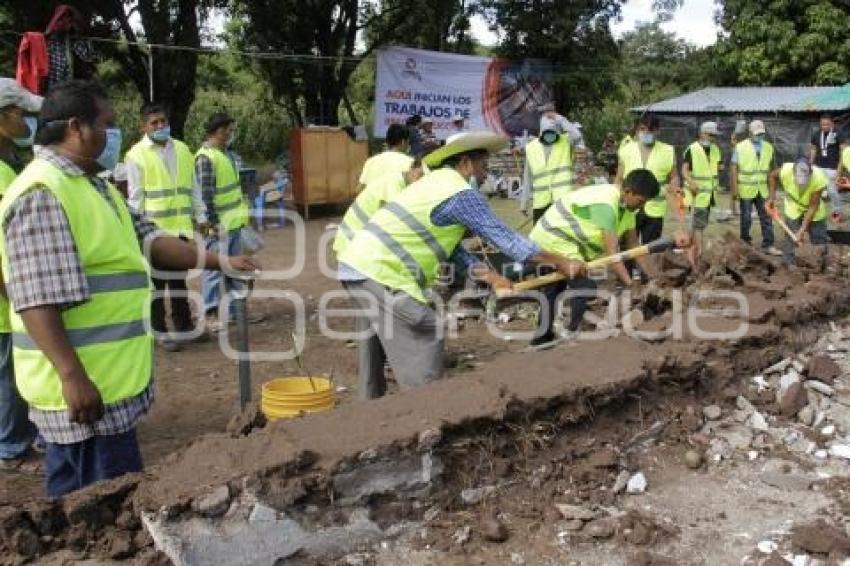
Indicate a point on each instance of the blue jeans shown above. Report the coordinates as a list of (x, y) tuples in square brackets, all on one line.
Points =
[(16, 431), (69, 467), (211, 281), (764, 219)]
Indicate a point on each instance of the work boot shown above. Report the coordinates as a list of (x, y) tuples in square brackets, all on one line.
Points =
[(772, 250)]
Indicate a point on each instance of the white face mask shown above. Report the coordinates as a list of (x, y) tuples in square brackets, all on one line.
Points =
[(32, 126)]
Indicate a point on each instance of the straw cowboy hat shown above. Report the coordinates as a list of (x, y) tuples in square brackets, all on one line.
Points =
[(463, 142)]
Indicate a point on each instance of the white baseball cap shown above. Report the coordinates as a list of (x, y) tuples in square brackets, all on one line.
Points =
[(709, 128), (13, 94), (756, 127)]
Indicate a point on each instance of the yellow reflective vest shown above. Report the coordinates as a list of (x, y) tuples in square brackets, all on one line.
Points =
[(705, 168), (167, 201), (797, 199), (550, 178), (109, 331), (384, 163), (845, 159), (400, 247), (753, 170), (376, 194), (568, 230), (7, 175), (661, 161), (229, 204)]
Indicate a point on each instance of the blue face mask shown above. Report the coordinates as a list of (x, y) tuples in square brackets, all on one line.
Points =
[(161, 134), (32, 124), (108, 158), (647, 138)]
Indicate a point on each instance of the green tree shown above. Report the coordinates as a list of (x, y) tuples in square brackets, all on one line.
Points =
[(784, 42), (169, 22)]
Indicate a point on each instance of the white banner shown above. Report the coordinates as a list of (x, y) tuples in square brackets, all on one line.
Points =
[(490, 94)]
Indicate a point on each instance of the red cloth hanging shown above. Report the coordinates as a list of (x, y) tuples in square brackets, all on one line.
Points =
[(66, 19), (32, 62)]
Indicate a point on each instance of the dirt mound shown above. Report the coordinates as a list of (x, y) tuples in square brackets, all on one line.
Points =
[(517, 404)]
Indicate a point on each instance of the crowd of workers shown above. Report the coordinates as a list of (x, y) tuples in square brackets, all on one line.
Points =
[(80, 261), (400, 229)]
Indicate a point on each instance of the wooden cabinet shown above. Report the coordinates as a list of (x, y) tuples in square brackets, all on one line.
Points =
[(326, 164)]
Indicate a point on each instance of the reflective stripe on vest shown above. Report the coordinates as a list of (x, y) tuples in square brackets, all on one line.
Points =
[(797, 201), (563, 232), (704, 172), (753, 170), (229, 204), (108, 331), (368, 202), (167, 200), (400, 247), (660, 162), (552, 177)]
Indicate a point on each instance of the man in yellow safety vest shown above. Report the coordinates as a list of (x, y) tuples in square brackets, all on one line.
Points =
[(392, 262), (752, 161), (81, 346), (803, 208), (701, 170), (160, 187), (548, 171), (584, 225), (647, 152), (18, 109), (226, 211), (394, 160)]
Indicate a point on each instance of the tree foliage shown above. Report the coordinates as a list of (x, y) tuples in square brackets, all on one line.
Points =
[(169, 22), (786, 42)]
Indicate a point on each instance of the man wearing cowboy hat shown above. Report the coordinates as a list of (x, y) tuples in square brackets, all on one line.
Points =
[(393, 260), (17, 130)]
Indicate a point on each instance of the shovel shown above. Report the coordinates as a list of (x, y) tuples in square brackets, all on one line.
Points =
[(657, 246), (774, 213)]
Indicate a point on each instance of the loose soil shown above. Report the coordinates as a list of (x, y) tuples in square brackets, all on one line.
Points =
[(566, 417)]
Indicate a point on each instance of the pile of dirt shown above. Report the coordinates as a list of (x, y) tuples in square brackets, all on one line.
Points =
[(520, 403)]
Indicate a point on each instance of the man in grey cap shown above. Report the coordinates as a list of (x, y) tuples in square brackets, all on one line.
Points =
[(700, 169), (17, 130), (804, 208), (752, 161)]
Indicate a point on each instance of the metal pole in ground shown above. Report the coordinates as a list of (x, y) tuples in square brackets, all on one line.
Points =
[(240, 307)]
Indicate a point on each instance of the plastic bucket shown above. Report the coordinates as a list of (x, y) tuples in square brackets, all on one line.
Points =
[(286, 397)]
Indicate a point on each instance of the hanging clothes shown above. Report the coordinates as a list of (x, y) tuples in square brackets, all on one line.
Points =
[(68, 56), (32, 66)]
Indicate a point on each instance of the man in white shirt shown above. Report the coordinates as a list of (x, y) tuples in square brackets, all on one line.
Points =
[(160, 186)]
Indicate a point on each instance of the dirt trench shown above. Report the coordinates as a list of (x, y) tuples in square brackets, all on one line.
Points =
[(491, 426)]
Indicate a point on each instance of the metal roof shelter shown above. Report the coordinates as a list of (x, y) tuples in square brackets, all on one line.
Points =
[(790, 114), (755, 99)]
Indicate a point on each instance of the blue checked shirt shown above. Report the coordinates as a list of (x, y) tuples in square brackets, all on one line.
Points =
[(470, 209)]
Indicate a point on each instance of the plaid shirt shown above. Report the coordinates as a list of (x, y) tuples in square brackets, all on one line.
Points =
[(45, 270)]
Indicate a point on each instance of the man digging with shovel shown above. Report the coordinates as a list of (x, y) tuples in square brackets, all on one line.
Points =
[(805, 211), (589, 224)]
